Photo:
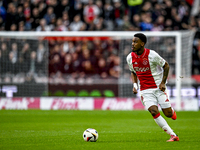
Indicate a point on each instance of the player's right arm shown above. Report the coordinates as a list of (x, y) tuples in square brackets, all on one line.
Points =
[(134, 80), (133, 74)]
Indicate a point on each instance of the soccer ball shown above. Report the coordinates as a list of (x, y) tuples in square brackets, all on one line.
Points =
[(90, 135)]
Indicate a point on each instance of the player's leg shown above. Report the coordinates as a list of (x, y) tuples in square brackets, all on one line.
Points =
[(150, 102), (164, 101), (160, 120), (165, 104), (170, 113)]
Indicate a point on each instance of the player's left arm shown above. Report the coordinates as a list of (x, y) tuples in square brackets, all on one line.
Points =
[(162, 85)]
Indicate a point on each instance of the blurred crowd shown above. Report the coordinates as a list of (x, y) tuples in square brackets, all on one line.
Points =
[(97, 58), (84, 59), (97, 15), (21, 59)]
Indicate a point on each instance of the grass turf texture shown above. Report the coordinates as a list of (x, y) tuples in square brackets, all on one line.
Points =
[(124, 130)]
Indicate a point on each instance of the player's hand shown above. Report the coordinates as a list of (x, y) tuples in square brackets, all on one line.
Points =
[(162, 86), (134, 91)]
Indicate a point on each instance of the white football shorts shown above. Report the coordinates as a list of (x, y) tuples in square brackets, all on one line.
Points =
[(154, 97)]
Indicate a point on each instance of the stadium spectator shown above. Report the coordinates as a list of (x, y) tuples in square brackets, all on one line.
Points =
[(77, 24), (119, 12), (168, 9), (43, 26), (168, 25), (11, 17), (99, 25), (35, 18), (102, 68), (49, 15), (133, 8), (60, 25), (41, 52), (90, 12), (25, 53), (32, 63), (27, 14), (136, 22), (114, 68), (126, 25), (146, 24), (12, 63), (4, 55), (65, 19), (55, 65), (68, 67), (108, 16), (78, 9), (76, 64), (20, 65), (21, 26), (42, 9), (99, 4), (14, 49), (68, 47), (2, 24), (13, 27), (2, 12), (64, 6), (20, 14), (87, 62), (158, 24)]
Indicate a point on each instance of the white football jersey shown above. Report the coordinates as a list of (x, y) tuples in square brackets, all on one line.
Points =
[(148, 68)]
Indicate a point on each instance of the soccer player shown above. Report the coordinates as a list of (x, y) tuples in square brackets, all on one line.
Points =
[(149, 71)]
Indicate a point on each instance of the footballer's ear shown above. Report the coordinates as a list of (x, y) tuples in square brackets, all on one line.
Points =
[(142, 44)]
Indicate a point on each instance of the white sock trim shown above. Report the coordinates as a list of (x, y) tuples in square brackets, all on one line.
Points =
[(163, 124)]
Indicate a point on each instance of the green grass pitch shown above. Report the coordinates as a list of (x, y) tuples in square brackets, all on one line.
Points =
[(124, 130)]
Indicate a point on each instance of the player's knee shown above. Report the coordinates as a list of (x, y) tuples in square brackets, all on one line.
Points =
[(153, 110), (168, 113)]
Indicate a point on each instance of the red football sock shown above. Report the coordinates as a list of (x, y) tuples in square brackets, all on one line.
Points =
[(156, 116)]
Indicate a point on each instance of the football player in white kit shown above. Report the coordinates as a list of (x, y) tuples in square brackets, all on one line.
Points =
[(149, 71)]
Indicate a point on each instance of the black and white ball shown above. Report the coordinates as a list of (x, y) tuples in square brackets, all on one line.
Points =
[(90, 135)]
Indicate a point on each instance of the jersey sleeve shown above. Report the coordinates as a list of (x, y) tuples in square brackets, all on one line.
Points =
[(158, 59), (129, 62)]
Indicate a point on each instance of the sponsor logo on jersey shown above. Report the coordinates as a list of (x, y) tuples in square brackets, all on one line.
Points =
[(141, 69)]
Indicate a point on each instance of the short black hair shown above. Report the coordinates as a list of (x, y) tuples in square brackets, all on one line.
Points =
[(141, 36)]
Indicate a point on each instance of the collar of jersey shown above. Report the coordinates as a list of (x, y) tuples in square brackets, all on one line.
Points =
[(140, 56)]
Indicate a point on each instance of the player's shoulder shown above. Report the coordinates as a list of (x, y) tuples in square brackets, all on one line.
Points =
[(129, 56), (153, 53)]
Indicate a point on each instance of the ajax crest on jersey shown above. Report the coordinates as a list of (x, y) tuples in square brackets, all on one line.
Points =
[(90, 135)]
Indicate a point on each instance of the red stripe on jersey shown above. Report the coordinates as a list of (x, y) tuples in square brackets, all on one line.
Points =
[(142, 68)]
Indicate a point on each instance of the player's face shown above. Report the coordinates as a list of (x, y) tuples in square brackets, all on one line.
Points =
[(137, 44)]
